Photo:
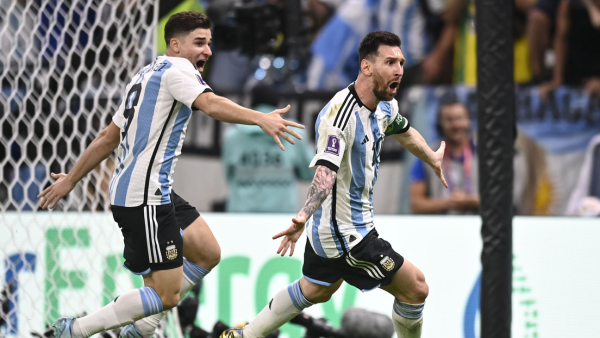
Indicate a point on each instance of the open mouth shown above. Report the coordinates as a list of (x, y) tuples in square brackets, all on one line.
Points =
[(200, 63), (394, 86)]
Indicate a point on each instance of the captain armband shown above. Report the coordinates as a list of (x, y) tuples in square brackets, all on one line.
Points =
[(398, 126)]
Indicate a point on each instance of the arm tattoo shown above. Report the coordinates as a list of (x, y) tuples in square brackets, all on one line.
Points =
[(319, 190)]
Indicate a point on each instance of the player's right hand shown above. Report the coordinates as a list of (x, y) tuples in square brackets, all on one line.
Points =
[(292, 234), (56, 191), (274, 125)]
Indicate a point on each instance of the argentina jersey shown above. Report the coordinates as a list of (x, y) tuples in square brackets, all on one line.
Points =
[(349, 137), (153, 118)]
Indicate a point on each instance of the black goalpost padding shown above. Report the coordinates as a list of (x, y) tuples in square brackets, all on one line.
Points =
[(496, 132)]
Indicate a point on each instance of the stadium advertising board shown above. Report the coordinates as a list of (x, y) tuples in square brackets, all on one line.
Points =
[(68, 263)]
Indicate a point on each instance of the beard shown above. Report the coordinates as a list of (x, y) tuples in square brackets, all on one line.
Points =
[(381, 89)]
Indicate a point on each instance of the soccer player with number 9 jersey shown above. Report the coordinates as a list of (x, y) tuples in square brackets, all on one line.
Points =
[(159, 227)]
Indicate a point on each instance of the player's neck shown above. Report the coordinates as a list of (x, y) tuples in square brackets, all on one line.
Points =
[(364, 90)]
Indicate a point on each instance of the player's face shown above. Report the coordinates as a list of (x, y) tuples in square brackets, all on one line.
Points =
[(388, 69), (454, 120), (196, 47)]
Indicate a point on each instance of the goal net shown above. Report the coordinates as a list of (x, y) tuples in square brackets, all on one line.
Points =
[(63, 67)]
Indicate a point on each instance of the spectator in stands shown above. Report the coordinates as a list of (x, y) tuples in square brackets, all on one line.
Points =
[(461, 14), (261, 177), (585, 199), (460, 167), (576, 46), (427, 41), (541, 26)]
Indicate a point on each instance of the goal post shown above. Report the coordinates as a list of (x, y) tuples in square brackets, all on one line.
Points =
[(64, 65)]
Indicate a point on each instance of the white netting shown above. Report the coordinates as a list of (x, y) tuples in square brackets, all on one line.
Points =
[(64, 65)]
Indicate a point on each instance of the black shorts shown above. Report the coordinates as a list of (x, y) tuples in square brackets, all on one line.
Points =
[(372, 263), (153, 234)]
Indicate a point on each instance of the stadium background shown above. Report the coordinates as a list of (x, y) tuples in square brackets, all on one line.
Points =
[(47, 119)]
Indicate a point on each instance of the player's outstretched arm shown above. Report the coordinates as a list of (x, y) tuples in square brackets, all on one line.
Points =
[(319, 190), (96, 152), (225, 110), (415, 143)]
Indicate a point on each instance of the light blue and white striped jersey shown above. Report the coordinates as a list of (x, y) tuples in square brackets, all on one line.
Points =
[(153, 118), (349, 137)]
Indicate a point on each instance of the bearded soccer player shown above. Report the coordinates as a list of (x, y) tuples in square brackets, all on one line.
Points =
[(343, 244), (159, 227)]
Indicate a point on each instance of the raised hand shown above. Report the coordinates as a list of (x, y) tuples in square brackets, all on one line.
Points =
[(291, 234), (436, 163), (56, 191), (274, 125)]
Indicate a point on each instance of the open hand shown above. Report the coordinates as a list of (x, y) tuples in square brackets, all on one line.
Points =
[(274, 125), (292, 234), (56, 191), (436, 163)]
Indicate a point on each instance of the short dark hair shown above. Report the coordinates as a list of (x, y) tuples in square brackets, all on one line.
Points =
[(184, 23), (370, 44)]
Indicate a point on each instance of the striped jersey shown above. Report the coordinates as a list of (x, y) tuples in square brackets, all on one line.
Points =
[(349, 137), (153, 118)]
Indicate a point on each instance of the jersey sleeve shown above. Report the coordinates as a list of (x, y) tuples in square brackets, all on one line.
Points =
[(119, 117), (398, 124), (186, 84), (331, 140)]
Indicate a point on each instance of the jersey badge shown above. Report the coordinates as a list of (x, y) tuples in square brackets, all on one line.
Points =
[(333, 145), (171, 252), (387, 263)]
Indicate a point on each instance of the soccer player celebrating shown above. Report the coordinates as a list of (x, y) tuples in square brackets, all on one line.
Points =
[(343, 244), (159, 227)]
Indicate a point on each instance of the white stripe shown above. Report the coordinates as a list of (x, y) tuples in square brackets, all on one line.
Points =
[(366, 269), (156, 234), (150, 224), (368, 265), (147, 235)]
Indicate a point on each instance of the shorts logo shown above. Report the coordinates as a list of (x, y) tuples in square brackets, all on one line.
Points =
[(333, 145), (171, 252), (387, 263)]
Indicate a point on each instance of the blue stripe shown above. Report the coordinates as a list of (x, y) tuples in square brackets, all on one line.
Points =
[(358, 162), (408, 17), (145, 116), (163, 176), (193, 271), (291, 293), (318, 122), (181, 232), (410, 311), (376, 136), (316, 240), (317, 281), (145, 302), (386, 109)]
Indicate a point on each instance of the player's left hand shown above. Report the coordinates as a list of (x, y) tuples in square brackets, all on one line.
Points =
[(292, 234), (56, 191), (436, 163), (274, 125)]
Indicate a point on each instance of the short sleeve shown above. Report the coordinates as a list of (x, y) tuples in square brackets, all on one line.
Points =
[(417, 174), (186, 84), (119, 117), (398, 124), (331, 145)]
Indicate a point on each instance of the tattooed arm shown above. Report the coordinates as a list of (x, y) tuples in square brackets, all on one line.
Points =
[(319, 190)]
